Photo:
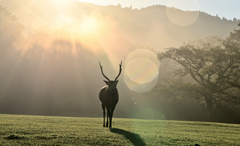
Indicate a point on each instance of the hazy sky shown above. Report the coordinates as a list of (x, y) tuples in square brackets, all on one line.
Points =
[(223, 8)]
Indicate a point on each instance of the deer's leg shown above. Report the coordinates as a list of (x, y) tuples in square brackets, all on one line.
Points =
[(108, 115), (103, 107), (110, 119), (111, 114)]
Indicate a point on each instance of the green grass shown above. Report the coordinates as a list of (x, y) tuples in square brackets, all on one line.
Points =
[(44, 130)]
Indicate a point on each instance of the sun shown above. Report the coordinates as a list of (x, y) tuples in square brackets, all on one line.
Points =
[(89, 25), (60, 2), (82, 28), (89, 1)]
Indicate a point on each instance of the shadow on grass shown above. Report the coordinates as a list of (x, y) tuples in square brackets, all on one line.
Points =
[(14, 137), (134, 138)]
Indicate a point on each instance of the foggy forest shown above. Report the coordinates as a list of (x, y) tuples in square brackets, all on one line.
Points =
[(173, 69)]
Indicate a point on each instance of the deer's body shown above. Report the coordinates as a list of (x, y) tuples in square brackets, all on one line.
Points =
[(109, 98), (109, 101)]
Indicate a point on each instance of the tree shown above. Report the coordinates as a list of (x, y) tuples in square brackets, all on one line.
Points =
[(214, 71)]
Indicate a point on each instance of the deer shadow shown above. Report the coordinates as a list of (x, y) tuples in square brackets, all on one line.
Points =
[(134, 138)]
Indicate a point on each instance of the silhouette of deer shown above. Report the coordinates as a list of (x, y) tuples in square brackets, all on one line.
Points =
[(109, 96)]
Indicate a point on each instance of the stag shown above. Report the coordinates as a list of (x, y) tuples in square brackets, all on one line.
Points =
[(109, 96)]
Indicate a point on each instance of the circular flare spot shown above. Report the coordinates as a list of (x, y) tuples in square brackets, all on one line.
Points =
[(181, 17), (141, 72)]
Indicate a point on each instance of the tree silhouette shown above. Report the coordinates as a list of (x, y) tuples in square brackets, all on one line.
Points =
[(214, 70)]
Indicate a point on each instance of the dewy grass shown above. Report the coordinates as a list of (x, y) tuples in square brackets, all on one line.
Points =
[(46, 130)]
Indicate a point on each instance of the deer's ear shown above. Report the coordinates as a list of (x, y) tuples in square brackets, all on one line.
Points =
[(106, 82)]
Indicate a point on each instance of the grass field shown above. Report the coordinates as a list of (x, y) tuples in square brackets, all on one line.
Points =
[(45, 130)]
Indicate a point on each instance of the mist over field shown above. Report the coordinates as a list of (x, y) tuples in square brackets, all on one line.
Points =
[(50, 53)]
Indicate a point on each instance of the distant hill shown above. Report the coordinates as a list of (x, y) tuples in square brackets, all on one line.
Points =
[(152, 27)]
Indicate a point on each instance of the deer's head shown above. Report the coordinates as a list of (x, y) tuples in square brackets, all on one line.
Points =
[(112, 84)]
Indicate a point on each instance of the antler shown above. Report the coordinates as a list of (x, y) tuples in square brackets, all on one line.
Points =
[(120, 70), (102, 71)]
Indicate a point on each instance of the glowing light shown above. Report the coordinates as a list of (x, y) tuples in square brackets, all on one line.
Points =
[(148, 113), (60, 4), (89, 25), (183, 18), (141, 72), (61, 1)]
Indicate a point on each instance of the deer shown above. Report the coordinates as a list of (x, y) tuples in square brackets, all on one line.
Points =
[(109, 96)]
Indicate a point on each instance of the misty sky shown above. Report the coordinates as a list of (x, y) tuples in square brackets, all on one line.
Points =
[(222, 8)]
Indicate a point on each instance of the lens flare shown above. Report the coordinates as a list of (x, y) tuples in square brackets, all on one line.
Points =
[(141, 72), (148, 113), (183, 17)]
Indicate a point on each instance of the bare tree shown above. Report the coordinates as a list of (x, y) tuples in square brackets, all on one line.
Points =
[(109, 96)]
